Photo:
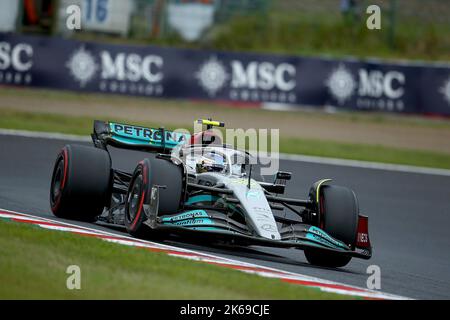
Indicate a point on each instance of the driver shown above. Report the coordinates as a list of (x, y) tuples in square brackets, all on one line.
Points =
[(211, 162)]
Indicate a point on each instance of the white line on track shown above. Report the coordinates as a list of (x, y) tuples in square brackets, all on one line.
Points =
[(43, 135), (282, 156), (365, 164)]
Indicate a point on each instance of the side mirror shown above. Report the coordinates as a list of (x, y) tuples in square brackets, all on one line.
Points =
[(282, 175)]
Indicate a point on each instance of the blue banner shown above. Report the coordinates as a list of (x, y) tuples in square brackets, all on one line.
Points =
[(227, 76)]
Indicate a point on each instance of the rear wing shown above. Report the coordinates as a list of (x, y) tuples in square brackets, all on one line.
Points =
[(135, 137)]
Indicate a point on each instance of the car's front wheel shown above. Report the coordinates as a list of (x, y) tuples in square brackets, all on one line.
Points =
[(338, 216), (148, 173)]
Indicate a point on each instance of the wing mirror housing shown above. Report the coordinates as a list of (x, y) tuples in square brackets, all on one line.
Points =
[(283, 175)]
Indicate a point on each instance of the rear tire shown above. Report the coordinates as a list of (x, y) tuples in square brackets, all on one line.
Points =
[(81, 180), (147, 174), (338, 216)]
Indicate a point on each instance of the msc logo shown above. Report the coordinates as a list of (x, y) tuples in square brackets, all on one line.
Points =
[(255, 80), (82, 66), (263, 75), (18, 57), (341, 84), (122, 72), (16, 62), (376, 84), (373, 88), (212, 76), (445, 90), (131, 67)]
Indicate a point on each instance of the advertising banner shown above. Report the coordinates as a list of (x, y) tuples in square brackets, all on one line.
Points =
[(238, 77)]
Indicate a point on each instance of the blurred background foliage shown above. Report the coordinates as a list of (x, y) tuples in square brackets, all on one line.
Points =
[(411, 29)]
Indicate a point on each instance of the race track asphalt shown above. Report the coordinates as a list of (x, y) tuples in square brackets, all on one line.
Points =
[(409, 216)]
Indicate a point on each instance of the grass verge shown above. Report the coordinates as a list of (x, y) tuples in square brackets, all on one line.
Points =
[(34, 261), (78, 125)]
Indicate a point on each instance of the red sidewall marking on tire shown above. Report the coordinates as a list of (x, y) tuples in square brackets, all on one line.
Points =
[(65, 157), (138, 215), (141, 203), (144, 173)]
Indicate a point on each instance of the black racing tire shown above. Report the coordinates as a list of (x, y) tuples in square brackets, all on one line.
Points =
[(81, 183), (150, 172), (338, 216)]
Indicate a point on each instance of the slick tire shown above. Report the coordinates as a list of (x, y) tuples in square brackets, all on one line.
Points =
[(339, 211), (81, 180), (148, 173)]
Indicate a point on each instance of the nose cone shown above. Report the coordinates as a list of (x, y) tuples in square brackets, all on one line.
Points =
[(258, 212)]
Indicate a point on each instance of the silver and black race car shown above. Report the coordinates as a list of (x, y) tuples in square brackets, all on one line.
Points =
[(193, 185)]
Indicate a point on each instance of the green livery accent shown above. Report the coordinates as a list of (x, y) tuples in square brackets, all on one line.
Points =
[(191, 222), (192, 214), (201, 198), (205, 229), (189, 219), (318, 235)]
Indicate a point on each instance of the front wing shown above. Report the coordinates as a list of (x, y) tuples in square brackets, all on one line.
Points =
[(217, 226)]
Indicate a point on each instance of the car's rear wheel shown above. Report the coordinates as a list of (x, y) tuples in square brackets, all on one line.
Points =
[(80, 186), (147, 174), (338, 216)]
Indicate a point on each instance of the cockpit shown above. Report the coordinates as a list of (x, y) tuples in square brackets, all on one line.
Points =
[(223, 159)]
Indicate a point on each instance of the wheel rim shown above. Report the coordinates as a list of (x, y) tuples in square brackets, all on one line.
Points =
[(134, 198)]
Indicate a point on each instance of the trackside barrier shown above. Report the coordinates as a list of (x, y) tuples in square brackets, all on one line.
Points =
[(277, 81)]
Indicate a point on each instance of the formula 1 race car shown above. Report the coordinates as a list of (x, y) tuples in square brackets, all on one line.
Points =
[(193, 185)]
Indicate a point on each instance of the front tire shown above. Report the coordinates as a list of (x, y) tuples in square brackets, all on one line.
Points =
[(80, 186), (148, 173), (338, 216)]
